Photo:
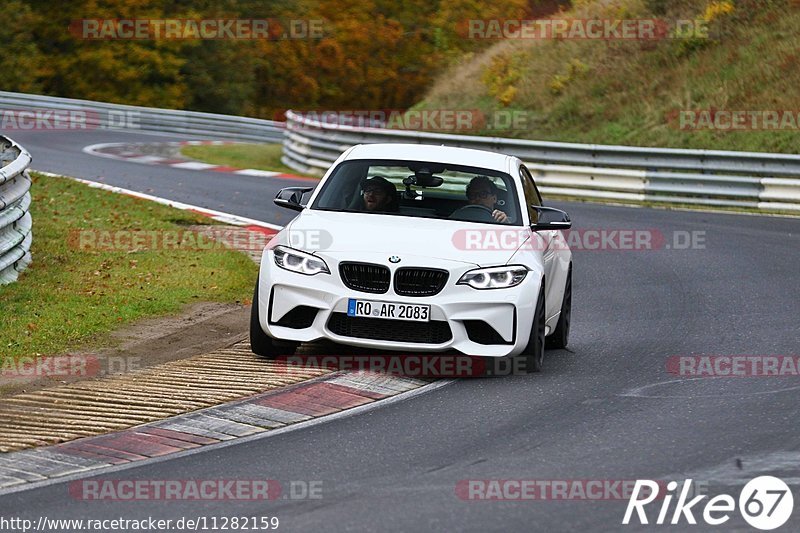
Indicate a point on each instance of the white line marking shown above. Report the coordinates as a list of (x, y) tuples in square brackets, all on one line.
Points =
[(255, 172), (95, 150), (193, 165), (639, 392), (145, 159), (216, 215)]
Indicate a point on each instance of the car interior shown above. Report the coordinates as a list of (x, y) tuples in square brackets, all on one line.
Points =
[(423, 190)]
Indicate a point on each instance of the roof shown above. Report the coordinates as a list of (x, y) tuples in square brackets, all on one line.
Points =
[(432, 153)]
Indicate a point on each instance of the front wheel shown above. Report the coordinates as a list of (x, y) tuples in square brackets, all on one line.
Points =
[(261, 343), (533, 356), (560, 336)]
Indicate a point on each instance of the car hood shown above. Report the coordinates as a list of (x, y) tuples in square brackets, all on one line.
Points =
[(337, 233)]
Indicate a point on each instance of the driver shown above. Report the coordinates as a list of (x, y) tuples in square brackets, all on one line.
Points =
[(482, 191)]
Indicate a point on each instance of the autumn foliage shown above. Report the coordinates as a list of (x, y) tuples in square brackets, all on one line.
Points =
[(371, 53)]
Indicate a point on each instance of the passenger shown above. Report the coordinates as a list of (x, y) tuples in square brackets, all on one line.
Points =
[(482, 191), (379, 195)]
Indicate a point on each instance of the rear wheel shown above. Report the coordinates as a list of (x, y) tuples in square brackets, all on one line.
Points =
[(560, 336), (261, 343), (533, 356)]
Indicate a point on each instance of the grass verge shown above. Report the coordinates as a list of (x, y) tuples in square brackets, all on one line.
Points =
[(241, 155), (74, 293)]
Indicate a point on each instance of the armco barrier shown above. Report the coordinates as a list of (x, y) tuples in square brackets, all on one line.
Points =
[(704, 177), (94, 115), (15, 220)]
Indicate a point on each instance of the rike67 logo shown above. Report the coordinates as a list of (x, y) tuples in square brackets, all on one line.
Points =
[(765, 503)]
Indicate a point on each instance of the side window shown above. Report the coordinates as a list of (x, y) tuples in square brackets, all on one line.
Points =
[(532, 196)]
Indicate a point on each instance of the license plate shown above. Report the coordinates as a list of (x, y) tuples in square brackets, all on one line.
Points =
[(388, 310)]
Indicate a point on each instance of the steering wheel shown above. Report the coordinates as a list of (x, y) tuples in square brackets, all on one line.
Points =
[(478, 206), (474, 213)]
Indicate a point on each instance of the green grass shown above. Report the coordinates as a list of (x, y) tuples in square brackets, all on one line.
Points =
[(629, 93), (241, 155), (69, 297)]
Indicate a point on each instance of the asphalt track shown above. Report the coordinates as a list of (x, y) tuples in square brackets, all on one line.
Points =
[(248, 196), (607, 409)]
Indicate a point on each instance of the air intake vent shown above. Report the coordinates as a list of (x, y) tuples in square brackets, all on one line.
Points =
[(433, 332)]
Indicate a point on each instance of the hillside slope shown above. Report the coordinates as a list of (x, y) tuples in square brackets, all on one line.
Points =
[(677, 91)]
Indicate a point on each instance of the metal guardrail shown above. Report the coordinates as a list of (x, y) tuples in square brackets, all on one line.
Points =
[(705, 177), (15, 220), (85, 114)]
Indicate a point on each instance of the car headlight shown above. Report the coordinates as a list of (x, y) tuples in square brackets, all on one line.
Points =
[(300, 262), (494, 277)]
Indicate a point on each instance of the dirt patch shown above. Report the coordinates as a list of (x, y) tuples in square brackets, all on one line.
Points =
[(200, 328), (204, 325)]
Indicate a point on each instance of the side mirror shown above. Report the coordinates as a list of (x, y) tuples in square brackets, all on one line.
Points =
[(551, 218), (290, 197)]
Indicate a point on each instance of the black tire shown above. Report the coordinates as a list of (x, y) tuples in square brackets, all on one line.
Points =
[(560, 336), (532, 358), (261, 343)]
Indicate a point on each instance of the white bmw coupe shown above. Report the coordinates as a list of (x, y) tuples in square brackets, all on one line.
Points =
[(421, 249)]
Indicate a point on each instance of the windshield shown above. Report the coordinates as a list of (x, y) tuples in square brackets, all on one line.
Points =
[(421, 189)]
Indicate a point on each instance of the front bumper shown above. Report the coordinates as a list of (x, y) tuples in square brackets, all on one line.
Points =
[(459, 314)]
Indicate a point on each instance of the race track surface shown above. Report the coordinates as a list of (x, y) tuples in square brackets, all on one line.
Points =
[(607, 409)]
